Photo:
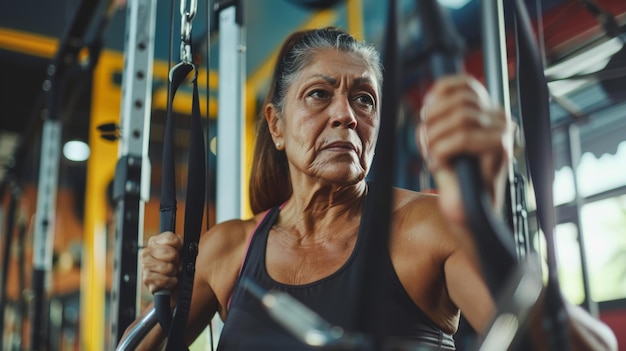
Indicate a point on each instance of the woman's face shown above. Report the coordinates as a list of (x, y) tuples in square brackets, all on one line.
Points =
[(330, 119)]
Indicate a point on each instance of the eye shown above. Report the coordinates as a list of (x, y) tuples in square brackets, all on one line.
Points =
[(365, 100), (319, 94)]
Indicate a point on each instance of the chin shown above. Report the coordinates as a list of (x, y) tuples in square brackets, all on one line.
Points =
[(351, 179), (344, 174)]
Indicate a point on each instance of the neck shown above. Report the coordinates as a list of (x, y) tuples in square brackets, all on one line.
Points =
[(323, 206)]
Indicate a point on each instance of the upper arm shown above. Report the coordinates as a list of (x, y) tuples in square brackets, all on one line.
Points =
[(464, 282), (215, 275), (203, 299), (468, 290), (202, 308), (424, 229)]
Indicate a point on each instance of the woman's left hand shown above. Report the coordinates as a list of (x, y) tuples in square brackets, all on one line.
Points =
[(459, 118)]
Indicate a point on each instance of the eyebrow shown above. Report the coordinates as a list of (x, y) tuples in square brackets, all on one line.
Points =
[(327, 79), (333, 81)]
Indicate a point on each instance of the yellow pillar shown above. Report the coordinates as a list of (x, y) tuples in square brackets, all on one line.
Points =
[(100, 171), (355, 18)]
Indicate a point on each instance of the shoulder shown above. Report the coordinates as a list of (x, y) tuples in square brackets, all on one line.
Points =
[(418, 215), (421, 243), (228, 236), (416, 208), (409, 199)]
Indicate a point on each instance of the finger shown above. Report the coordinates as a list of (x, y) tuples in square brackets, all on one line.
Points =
[(439, 107), (462, 121), (449, 84), (160, 254), (479, 143), (166, 238), (157, 274), (421, 136), (158, 266), (456, 112), (155, 282)]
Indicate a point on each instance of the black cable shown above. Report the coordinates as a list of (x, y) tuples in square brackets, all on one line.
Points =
[(534, 100), (174, 324), (168, 204), (443, 48), (375, 220)]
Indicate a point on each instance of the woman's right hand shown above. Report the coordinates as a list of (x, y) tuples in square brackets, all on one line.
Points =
[(160, 262)]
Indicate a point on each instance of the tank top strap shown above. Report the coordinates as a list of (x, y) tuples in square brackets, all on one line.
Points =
[(254, 253), (256, 246)]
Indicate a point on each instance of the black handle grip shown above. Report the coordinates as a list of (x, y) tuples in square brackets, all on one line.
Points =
[(444, 49)]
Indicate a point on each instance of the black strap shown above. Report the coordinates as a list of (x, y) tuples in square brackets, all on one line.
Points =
[(494, 240), (376, 215), (443, 50), (175, 324), (534, 99)]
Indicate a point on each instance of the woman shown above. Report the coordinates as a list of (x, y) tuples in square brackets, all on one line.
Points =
[(314, 148)]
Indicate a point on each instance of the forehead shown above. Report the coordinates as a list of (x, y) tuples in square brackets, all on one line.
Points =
[(338, 63)]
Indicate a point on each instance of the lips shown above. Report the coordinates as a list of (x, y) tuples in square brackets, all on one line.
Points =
[(341, 145)]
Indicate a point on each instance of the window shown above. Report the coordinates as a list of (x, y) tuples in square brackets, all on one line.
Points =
[(604, 228), (603, 173), (568, 261)]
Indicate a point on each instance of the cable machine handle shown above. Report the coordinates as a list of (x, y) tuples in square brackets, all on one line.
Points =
[(174, 324), (444, 48), (503, 273)]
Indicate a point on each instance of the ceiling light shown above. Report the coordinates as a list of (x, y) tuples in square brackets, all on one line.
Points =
[(76, 150), (454, 4)]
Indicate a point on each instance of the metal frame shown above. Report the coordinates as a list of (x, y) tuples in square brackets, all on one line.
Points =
[(54, 88), (231, 113), (44, 229), (497, 83), (132, 175), (230, 135)]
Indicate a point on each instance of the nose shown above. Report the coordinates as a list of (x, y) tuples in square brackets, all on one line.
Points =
[(341, 113)]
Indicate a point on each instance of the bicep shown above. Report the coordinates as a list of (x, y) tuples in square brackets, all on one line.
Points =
[(202, 309), (468, 291), (204, 301), (217, 267)]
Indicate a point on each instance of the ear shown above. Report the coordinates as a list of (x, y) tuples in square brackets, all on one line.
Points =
[(274, 123)]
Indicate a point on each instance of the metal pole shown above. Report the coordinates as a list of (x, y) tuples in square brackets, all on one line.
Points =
[(497, 81), (132, 175), (44, 230), (230, 121), (494, 51), (54, 88), (139, 331)]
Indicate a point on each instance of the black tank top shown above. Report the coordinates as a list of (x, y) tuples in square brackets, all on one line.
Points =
[(249, 327)]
